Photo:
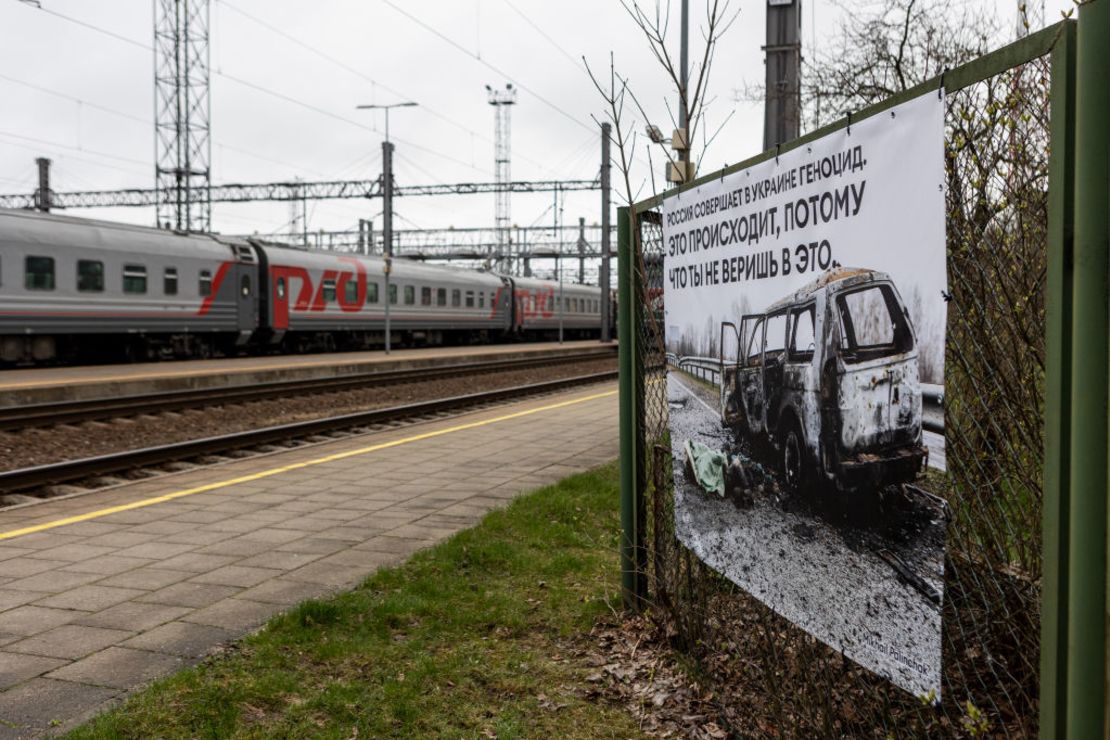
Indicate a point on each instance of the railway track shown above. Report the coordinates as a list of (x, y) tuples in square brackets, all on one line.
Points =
[(14, 418), (38, 477)]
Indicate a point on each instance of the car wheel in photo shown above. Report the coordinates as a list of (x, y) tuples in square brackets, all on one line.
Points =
[(792, 455)]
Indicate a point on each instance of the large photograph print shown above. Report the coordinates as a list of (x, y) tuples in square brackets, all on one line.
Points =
[(805, 329)]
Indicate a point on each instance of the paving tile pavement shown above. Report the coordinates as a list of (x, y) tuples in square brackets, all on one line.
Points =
[(94, 609)]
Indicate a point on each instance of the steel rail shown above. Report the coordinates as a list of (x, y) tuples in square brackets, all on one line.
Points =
[(70, 470), (68, 412)]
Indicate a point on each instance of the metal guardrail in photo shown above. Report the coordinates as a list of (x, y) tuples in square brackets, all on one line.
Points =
[(709, 370)]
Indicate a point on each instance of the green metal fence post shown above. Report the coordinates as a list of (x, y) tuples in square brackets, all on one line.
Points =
[(626, 349), (1057, 418), (1090, 379)]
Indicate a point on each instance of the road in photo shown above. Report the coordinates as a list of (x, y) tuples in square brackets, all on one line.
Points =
[(818, 569)]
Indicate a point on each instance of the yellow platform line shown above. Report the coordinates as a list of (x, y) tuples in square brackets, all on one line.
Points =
[(294, 466)]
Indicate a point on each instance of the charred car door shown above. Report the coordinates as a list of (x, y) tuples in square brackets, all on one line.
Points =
[(749, 373), (731, 346), (879, 398), (774, 366)]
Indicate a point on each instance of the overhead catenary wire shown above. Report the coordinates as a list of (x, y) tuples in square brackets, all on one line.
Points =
[(363, 76), (69, 157), (145, 121), (268, 91), (107, 155), (576, 62), (344, 119), (75, 99), (456, 45), (282, 96)]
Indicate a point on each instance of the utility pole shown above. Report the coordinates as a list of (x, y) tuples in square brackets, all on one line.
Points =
[(387, 228), (603, 276), (581, 251), (42, 195), (684, 60), (558, 212), (783, 101), (387, 208), (680, 170)]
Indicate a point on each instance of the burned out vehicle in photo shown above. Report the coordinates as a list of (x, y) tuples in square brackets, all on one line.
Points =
[(827, 379)]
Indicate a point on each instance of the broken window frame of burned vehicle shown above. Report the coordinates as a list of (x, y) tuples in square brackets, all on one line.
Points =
[(834, 412)]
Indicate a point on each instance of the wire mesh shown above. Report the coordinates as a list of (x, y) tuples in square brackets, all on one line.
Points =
[(770, 677)]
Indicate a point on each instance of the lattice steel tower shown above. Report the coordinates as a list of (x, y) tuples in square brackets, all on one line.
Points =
[(182, 131), (501, 100)]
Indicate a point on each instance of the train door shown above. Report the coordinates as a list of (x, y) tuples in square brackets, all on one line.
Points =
[(246, 292)]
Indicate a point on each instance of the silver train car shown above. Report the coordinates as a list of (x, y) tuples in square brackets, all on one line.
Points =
[(82, 290)]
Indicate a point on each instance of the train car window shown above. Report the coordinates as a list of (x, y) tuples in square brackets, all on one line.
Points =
[(38, 273), (169, 281), (371, 292), (441, 296), (456, 298), (350, 291), (425, 296), (410, 295), (281, 287), (550, 303), (204, 287), (329, 291), (90, 276), (245, 286), (482, 300), (134, 278), (393, 294), (470, 299)]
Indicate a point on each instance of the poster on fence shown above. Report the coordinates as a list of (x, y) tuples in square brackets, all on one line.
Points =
[(805, 327)]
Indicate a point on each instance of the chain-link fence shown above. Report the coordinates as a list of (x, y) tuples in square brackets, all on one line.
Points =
[(769, 676)]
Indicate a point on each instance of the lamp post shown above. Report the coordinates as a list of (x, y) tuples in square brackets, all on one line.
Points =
[(387, 205)]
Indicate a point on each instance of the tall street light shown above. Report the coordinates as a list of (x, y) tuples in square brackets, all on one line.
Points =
[(387, 206)]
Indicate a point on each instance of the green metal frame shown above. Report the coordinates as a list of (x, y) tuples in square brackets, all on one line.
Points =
[(1074, 646), (1086, 568), (1057, 420)]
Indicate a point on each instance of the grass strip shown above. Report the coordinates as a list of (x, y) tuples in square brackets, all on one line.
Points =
[(462, 640)]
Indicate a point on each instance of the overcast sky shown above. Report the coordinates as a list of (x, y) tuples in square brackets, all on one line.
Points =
[(281, 108)]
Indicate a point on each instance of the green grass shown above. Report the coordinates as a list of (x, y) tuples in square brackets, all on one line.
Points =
[(460, 641)]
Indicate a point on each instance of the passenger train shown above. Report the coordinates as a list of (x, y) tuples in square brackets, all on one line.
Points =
[(85, 290)]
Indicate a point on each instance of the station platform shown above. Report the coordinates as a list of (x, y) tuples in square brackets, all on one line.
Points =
[(47, 385), (101, 593)]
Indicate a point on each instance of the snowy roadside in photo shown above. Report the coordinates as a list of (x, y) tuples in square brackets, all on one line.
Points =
[(816, 567)]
